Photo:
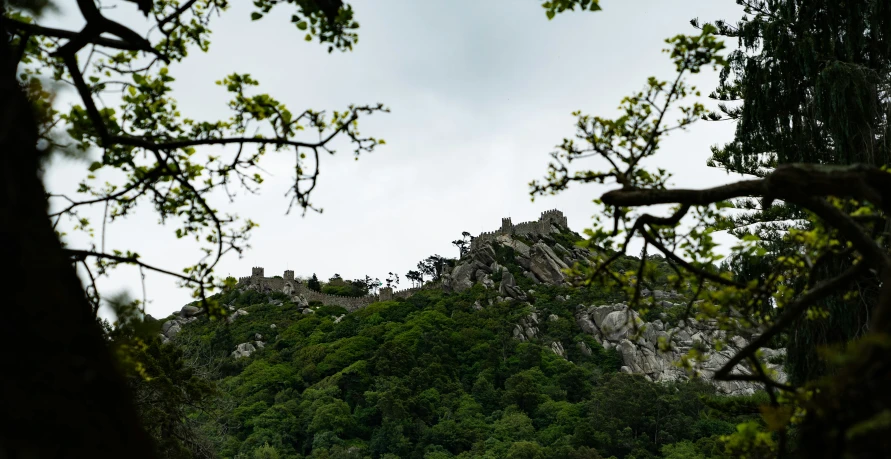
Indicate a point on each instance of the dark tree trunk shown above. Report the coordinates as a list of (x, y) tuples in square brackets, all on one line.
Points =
[(60, 393)]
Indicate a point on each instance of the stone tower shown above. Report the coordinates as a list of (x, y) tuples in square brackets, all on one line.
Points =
[(289, 276), (506, 226), (256, 274)]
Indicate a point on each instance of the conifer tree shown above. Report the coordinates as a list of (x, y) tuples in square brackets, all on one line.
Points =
[(812, 78), (314, 284)]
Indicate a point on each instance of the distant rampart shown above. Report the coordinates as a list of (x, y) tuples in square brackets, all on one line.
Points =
[(288, 285), (542, 226)]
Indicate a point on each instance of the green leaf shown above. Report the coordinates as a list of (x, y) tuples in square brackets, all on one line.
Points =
[(95, 165), (255, 15), (302, 25)]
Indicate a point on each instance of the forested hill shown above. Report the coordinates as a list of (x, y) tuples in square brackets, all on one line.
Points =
[(491, 364)]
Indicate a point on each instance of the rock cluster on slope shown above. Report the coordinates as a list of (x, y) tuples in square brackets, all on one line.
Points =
[(189, 314), (618, 326), (542, 262), (614, 326), (172, 327)]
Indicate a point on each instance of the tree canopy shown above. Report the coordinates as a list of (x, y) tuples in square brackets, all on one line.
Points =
[(845, 212)]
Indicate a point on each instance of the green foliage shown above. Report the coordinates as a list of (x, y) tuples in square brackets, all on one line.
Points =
[(265, 452), (430, 376), (553, 7), (344, 290), (314, 284), (168, 386), (148, 147)]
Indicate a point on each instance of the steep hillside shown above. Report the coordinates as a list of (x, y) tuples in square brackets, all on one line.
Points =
[(499, 357)]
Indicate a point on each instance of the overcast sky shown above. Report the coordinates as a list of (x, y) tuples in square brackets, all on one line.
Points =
[(480, 92)]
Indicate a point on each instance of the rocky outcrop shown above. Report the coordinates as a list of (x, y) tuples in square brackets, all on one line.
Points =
[(190, 311), (546, 265), (557, 348), (638, 342), (460, 279), (246, 349), (540, 263), (235, 315), (172, 327), (508, 287), (519, 247), (527, 329)]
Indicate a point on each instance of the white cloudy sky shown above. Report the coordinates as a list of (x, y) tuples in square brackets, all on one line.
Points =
[(480, 91)]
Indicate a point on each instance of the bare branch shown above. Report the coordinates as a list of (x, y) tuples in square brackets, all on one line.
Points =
[(83, 254)]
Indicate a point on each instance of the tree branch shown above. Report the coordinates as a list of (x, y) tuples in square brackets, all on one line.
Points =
[(79, 255), (792, 311)]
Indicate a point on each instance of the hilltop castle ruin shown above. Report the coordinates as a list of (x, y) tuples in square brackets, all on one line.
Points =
[(550, 221), (543, 226), (293, 287)]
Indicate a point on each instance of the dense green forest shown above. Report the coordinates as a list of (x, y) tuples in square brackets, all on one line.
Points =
[(435, 375)]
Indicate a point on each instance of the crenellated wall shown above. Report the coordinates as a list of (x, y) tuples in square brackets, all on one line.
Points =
[(540, 227), (288, 285), (407, 292), (350, 303)]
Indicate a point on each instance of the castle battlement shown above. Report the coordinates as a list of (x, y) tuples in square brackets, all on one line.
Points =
[(287, 284), (543, 226)]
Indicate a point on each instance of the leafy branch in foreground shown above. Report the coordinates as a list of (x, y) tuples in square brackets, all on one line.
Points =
[(847, 208), (149, 150)]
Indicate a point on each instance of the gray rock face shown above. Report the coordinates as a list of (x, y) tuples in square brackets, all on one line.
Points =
[(172, 327), (546, 265), (166, 326), (509, 288), (461, 278), (300, 301), (484, 279), (527, 329), (235, 315), (557, 348), (519, 247), (174, 330), (189, 311), (485, 255), (243, 350), (531, 277), (638, 343)]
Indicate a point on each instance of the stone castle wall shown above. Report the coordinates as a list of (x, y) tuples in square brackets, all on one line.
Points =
[(288, 285), (541, 226), (350, 303)]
